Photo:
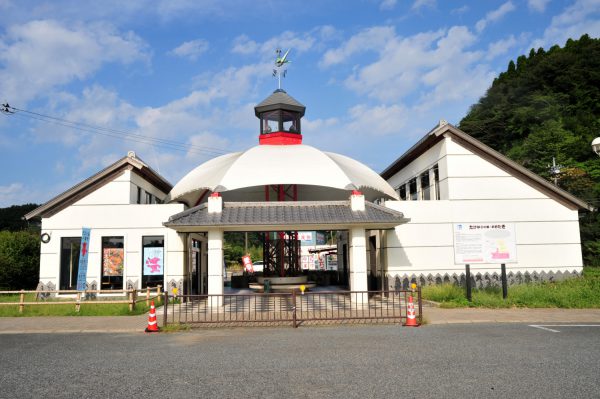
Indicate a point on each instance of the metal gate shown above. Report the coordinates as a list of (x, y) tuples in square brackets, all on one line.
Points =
[(292, 308)]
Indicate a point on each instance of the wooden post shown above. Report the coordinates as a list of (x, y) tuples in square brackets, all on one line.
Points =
[(158, 291), (468, 277), (21, 300), (147, 296), (78, 304), (131, 304), (504, 282)]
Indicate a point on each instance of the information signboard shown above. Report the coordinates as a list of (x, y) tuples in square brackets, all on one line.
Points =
[(484, 243)]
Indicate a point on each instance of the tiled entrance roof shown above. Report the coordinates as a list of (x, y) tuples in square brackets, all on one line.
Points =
[(287, 216)]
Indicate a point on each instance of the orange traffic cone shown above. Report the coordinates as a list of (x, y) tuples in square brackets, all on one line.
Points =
[(411, 319), (152, 325)]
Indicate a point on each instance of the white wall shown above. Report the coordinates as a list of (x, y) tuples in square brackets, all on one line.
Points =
[(115, 192), (132, 222), (547, 232)]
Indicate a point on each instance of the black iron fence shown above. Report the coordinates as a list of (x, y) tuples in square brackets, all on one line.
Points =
[(293, 308)]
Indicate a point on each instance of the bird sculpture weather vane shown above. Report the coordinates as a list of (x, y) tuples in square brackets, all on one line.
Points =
[(280, 66)]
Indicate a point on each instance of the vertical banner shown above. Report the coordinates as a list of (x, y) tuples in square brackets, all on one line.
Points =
[(83, 258)]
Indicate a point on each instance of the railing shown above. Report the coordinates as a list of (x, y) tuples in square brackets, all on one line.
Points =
[(293, 307), (134, 296)]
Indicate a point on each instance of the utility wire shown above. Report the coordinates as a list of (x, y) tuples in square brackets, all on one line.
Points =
[(110, 132)]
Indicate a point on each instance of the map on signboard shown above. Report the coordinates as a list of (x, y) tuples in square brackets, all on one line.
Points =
[(484, 243)]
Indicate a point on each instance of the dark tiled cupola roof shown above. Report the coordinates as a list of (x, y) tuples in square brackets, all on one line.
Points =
[(279, 100)]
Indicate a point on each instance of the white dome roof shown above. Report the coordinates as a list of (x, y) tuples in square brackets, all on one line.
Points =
[(278, 164)]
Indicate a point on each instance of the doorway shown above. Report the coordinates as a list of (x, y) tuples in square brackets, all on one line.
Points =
[(197, 275)]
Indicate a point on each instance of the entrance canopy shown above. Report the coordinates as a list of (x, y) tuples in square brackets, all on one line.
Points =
[(265, 165), (286, 216)]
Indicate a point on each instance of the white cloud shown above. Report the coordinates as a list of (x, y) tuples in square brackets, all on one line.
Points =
[(387, 4), (40, 55), (286, 40), (369, 39), (377, 120), (500, 47), (581, 17), (191, 50), (17, 194), (418, 4), (414, 64), (460, 10), (495, 15), (537, 5), (312, 40)]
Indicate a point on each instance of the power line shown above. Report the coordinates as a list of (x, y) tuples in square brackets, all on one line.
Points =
[(111, 132)]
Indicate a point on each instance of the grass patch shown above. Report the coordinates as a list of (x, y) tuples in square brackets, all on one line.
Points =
[(176, 327), (87, 308), (574, 293)]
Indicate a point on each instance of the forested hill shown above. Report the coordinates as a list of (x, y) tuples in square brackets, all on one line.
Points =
[(548, 105)]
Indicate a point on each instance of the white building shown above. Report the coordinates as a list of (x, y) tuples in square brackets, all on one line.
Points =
[(393, 232), (450, 178)]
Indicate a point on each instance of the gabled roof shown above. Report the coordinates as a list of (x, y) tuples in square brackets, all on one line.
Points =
[(279, 100), (284, 215), (445, 129), (80, 190)]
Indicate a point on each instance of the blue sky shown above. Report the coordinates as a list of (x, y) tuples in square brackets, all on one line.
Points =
[(375, 76)]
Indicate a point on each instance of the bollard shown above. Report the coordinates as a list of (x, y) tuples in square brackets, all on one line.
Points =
[(504, 282), (468, 277), (147, 296)]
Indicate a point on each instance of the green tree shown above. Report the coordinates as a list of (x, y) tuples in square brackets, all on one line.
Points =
[(19, 259), (546, 105)]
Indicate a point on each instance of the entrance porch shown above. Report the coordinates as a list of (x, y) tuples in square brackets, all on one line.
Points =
[(212, 219)]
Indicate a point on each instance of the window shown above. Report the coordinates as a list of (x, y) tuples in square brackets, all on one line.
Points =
[(436, 179), (152, 261), (269, 122), (402, 192), (148, 198), (291, 122), (113, 263), (425, 188), (412, 186), (139, 195), (69, 262)]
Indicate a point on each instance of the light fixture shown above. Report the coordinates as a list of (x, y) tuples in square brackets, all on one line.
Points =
[(596, 145)]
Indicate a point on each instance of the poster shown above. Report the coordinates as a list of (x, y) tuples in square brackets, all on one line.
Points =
[(153, 261), (112, 261), (484, 243), (247, 264), (332, 262)]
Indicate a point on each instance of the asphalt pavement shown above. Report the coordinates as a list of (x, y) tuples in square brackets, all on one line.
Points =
[(359, 361)]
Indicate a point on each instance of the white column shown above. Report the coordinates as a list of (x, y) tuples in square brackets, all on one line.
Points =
[(432, 184), (358, 264), (215, 267)]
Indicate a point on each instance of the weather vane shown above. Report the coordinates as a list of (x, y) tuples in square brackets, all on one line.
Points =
[(280, 66)]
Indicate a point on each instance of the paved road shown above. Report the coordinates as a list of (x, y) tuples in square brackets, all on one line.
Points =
[(481, 360)]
